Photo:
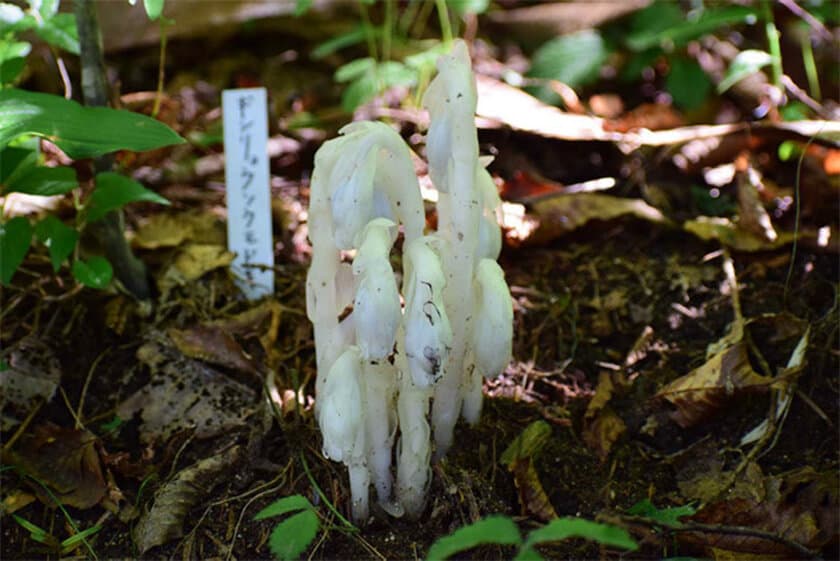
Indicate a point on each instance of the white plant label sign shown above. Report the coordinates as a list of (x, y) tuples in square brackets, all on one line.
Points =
[(245, 117)]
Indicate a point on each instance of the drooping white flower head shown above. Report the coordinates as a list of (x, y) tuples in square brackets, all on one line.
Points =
[(493, 324), (342, 409), (376, 306), (428, 334)]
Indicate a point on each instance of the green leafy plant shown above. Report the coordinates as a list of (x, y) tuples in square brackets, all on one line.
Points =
[(501, 530), (62, 547), (367, 77), (292, 535), (43, 18), (82, 132)]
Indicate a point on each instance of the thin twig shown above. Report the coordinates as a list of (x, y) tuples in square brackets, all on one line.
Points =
[(684, 527), (808, 18), (79, 410)]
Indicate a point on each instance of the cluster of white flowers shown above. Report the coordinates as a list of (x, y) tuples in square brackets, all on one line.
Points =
[(380, 365)]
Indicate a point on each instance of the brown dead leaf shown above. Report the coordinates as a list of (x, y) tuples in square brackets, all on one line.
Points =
[(601, 426), (192, 262), (532, 495), (174, 500), (560, 215), (706, 389), (66, 461), (212, 344), (801, 506), (184, 394), (731, 235), (32, 376)]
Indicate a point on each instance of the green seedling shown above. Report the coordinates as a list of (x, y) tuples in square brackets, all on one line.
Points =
[(501, 530), (292, 535)]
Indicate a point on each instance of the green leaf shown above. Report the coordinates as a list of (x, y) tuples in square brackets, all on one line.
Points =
[(394, 73), (670, 515), (679, 33), (59, 238), (13, 49), (302, 6), (43, 181), (687, 83), (113, 191), (96, 272), (744, 64), (293, 535), (353, 37), (354, 69), (37, 533), (564, 528), (16, 160), (573, 59), (60, 31), (464, 7), (10, 70), (491, 530), (284, 505), (82, 132), (153, 8), (47, 8), (75, 539), (15, 236), (360, 91)]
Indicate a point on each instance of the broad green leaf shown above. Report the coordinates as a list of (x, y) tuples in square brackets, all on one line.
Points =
[(113, 191), (293, 535), (361, 90), (153, 8), (15, 236), (284, 505), (13, 49), (96, 272), (60, 31), (82, 132), (43, 181), (393, 73), (16, 160), (678, 34), (498, 530), (564, 528), (670, 515), (744, 64), (354, 69), (464, 7), (687, 83), (653, 20), (573, 59), (59, 238), (10, 70)]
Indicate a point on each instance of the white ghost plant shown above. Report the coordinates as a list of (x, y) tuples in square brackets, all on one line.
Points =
[(390, 359)]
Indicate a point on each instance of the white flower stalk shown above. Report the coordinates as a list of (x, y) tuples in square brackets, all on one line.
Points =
[(381, 364), (453, 160), (415, 445), (342, 421)]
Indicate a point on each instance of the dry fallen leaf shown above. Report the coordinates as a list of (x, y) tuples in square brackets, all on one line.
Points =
[(706, 389), (601, 426), (31, 377), (192, 262), (185, 394), (174, 500), (66, 461)]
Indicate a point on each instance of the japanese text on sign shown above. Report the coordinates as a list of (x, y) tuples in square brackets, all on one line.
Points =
[(247, 190)]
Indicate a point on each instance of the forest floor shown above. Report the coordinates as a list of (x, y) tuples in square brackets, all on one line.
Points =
[(648, 352)]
